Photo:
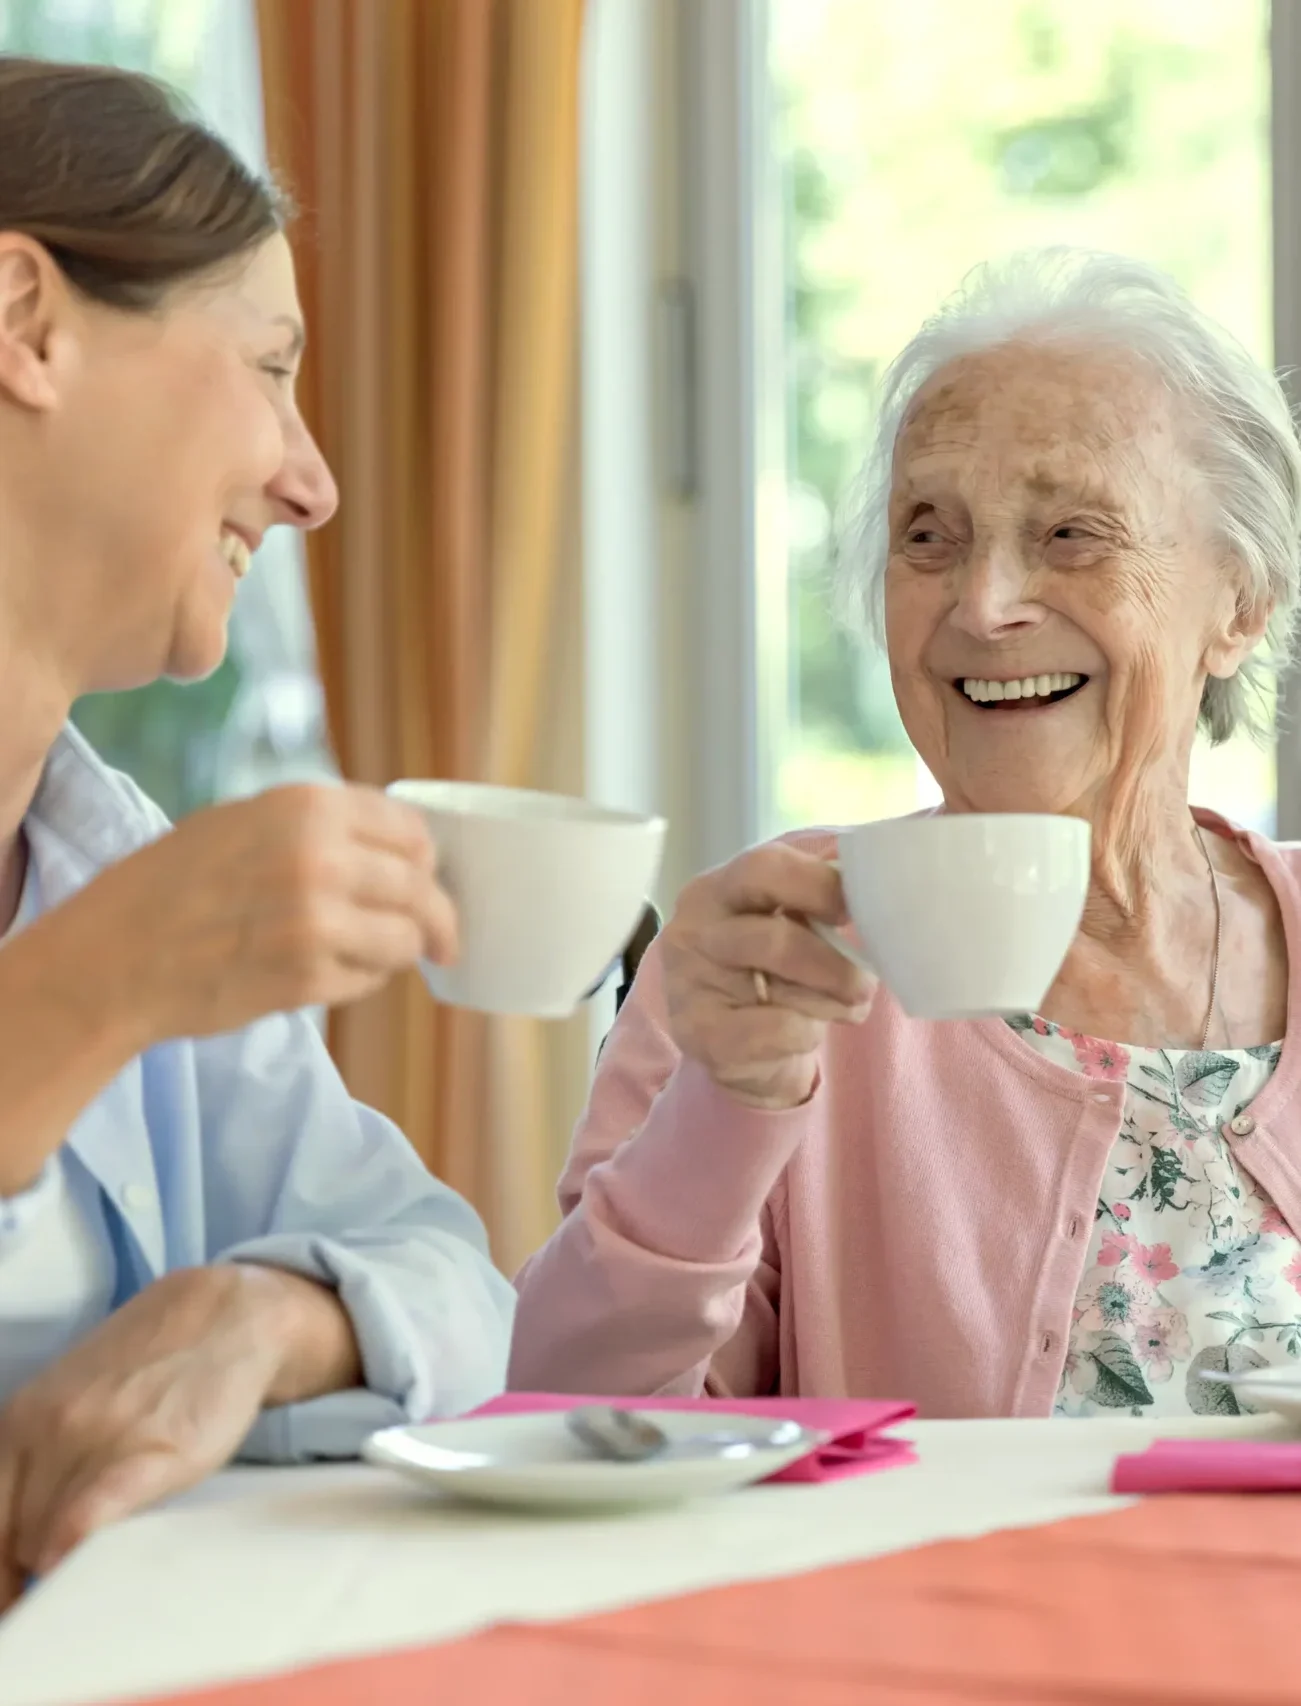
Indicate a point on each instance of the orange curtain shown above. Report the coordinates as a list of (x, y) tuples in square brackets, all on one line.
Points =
[(432, 148)]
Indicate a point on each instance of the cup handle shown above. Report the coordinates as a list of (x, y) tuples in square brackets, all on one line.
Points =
[(846, 950), (833, 938)]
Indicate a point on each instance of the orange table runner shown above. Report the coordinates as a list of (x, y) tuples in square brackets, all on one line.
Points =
[(1175, 1602)]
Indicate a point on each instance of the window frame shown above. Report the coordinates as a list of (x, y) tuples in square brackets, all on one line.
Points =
[(717, 65)]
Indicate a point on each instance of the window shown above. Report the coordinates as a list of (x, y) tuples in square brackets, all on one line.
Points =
[(916, 138), (259, 719)]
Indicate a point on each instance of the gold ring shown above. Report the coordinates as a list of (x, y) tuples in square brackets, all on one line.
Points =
[(762, 992)]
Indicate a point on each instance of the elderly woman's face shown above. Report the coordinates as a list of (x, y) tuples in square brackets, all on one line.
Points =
[(1055, 596)]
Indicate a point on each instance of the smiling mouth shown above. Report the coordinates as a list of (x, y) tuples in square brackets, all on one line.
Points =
[(1027, 692)]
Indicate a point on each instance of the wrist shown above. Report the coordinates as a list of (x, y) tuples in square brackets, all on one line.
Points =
[(307, 1332), (779, 1098), (90, 972)]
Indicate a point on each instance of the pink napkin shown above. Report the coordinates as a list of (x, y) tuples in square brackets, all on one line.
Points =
[(856, 1447), (1210, 1466)]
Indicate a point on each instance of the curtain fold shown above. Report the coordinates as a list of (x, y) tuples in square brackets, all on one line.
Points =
[(432, 147)]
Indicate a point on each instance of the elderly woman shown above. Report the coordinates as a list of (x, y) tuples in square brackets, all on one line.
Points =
[(205, 1246), (1083, 523)]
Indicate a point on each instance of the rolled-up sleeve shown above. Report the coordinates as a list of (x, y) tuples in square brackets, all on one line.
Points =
[(301, 1177)]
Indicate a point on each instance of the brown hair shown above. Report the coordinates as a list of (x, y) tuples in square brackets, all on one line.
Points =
[(127, 192)]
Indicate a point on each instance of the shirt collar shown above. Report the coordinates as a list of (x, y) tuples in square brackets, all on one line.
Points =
[(84, 816)]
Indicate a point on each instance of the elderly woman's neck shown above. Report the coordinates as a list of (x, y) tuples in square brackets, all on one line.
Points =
[(1147, 855)]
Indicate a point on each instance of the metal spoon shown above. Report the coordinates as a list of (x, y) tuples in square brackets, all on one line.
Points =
[(621, 1435), (1252, 1377), (624, 1436)]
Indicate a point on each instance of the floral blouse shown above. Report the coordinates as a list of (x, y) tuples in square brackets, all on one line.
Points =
[(1190, 1265)]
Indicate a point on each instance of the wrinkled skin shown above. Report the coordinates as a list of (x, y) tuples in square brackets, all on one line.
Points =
[(154, 1399)]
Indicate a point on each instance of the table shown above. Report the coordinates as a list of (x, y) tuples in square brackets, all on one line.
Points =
[(266, 1569)]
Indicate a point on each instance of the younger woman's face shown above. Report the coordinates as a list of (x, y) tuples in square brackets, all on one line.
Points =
[(156, 453)]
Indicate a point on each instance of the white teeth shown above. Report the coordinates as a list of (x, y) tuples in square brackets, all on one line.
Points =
[(236, 553), (1028, 687)]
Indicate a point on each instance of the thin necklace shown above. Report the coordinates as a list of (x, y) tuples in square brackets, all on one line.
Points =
[(1219, 921)]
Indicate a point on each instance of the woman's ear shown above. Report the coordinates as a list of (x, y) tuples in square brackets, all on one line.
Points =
[(1238, 634), (31, 292)]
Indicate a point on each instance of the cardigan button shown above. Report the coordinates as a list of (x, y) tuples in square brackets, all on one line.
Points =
[(1242, 1125)]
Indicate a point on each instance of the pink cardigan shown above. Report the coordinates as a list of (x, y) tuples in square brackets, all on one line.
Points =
[(916, 1230)]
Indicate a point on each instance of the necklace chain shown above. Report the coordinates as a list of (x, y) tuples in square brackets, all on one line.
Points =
[(1219, 925)]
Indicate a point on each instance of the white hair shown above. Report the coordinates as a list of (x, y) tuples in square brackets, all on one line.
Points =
[(1247, 447)]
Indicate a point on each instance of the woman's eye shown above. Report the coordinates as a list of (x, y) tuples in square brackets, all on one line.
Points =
[(923, 536), (1070, 532), (276, 372)]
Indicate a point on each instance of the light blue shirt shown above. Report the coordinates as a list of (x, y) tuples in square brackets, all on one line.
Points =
[(249, 1147)]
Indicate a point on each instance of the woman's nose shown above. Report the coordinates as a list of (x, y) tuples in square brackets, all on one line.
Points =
[(992, 596), (304, 490)]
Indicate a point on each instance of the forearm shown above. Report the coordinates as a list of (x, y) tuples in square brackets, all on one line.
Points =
[(67, 1029), (647, 1278)]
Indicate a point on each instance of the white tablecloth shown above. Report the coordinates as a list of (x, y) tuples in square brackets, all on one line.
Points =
[(265, 1569)]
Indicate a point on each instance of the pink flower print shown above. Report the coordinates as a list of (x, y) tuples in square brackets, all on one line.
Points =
[(1161, 1338), (1080, 1371), (1040, 1027), (1120, 1210), (1108, 1306), (1099, 1059), (1292, 1272), (1272, 1223), (1154, 1262), (1115, 1247)]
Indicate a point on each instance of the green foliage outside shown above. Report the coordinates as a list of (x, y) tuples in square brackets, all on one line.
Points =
[(920, 137)]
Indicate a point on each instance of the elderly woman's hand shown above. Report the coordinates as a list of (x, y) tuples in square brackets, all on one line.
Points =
[(745, 918), (303, 896), (156, 1398)]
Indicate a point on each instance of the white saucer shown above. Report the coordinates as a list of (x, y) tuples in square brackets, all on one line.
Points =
[(533, 1462)]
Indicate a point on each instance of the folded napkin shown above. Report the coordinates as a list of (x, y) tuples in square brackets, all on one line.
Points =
[(1210, 1466), (857, 1444)]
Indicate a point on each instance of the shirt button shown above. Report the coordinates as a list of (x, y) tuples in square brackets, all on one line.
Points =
[(1102, 1096), (137, 1196), (1242, 1125)]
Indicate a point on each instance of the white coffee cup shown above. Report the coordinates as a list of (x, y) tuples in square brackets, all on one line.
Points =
[(548, 890), (964, 915)]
